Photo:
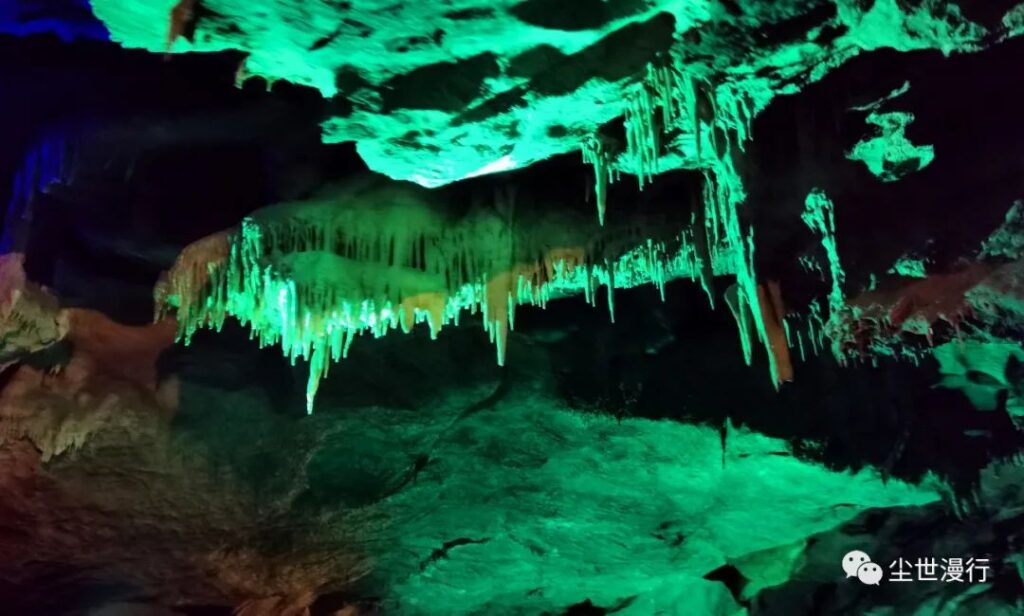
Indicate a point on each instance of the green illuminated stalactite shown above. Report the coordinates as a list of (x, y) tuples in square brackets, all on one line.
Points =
[(666, 88), (815, 326), (741, 313), (703, 259), (643, 141), (819, 216), (595, 154), (728, 195), (610, 268), (718, 234), (311, 276)]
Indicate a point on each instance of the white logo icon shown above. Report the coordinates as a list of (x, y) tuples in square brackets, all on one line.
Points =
[(869, 573), (853, 561), (858, 564)]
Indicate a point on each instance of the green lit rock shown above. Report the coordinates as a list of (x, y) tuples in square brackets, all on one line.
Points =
[(438, 91), (999, 298), (819, 216), (981, 370), (435, 92), (1008, 240), (1013, 21), (529, 507), (909, 266), (889, 155), (524, 507)]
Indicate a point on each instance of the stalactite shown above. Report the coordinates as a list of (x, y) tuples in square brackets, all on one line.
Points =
[(724, 237), (741, 313), (311, 276), (595, 153), (704, 264), (773, 315), (183, 284), (819, 216), (643, 138), (610, 268), (724, 195)]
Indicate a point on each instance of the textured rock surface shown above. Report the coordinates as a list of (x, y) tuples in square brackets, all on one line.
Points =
[(30, 318), (438, 91), (987, 528), (523, 505)]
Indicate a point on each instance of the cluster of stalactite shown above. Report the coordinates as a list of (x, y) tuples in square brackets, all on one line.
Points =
[(376, 256), (716, 117)]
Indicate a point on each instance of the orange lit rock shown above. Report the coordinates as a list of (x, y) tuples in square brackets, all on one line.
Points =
[(129, 353), (773, 312)]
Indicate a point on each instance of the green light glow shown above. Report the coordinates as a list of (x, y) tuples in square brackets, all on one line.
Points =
[(318, 317), (681, 112)]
